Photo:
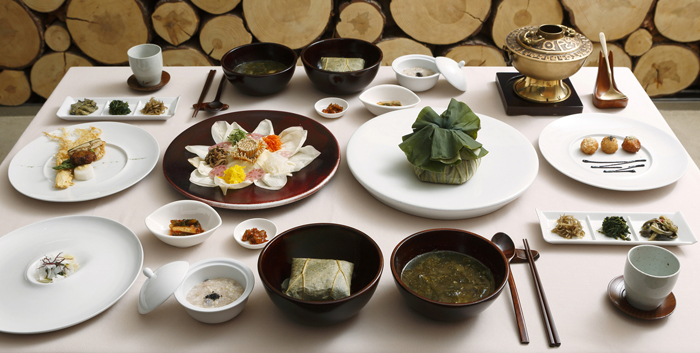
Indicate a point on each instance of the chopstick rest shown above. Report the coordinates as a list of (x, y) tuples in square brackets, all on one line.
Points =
[(205, 89), (552, 333)]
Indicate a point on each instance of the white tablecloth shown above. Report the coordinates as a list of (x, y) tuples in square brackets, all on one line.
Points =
[(575, 277)]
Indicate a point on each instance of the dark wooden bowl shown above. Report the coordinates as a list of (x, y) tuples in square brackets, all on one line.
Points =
[(457, 240), (259, 85), (321, 241), (341, 82)]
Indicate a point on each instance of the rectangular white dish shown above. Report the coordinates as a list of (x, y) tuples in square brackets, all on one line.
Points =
[(102, 112), (592, 221)]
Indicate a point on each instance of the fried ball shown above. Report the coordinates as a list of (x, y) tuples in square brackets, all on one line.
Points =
[(631, 144), (609, 144), (589, 145)]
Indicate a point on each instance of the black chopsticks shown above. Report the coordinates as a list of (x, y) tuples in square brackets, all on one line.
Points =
[(546, 313), (204, 92)]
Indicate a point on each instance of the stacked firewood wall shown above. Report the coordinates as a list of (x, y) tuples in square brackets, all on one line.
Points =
[(41, 39)]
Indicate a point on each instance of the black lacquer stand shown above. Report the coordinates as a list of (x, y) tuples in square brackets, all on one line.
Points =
[(515, 105)]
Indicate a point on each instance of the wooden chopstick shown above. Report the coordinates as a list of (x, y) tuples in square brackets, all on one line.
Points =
[(554, 340), (207, 84)]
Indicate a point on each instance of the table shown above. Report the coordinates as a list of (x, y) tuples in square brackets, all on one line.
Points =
[(575, 277)]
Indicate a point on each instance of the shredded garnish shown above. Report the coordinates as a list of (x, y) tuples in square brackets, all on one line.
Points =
[(234, 175), (569, 227), (273, 142)]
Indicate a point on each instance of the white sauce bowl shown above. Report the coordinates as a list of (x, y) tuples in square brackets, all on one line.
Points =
[(381, 93)]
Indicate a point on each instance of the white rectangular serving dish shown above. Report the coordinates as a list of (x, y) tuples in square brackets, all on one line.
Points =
[(102, 112), (592, 221)]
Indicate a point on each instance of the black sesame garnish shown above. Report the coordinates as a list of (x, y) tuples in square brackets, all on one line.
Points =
[(212, 296)]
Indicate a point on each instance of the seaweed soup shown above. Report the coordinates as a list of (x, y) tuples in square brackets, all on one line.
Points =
[(259, 67), (448, 277)]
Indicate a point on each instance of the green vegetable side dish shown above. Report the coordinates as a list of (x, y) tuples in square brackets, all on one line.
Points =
[(236, 136), (661, 228), (615, 227), (443, 148), (117, 107), (83, 107), (67, 164)]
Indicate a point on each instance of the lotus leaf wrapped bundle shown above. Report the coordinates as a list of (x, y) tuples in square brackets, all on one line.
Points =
[(319, 279)]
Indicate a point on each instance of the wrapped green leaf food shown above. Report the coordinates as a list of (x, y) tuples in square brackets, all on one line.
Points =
[(443, 148), (319, 279)]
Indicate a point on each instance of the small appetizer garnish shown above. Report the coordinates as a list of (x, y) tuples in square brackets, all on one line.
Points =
[(154, 107), (87, 148), (83, 107), (255, 236), (631, 144), (609, 144), (273, 142), (236, 136), (569, 227), (185, 227), (661, 228), (615, 227), (117, 107), (54, 269), (333, 109), (390, 103), (589, 145)]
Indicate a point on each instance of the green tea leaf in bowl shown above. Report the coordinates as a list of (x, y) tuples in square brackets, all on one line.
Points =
[(117, 107)]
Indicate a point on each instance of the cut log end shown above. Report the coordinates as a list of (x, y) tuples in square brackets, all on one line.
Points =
[(509, 15), (440, 21), (175, 21), (223, 33), (48, 71), (361, 20), (14, 87), (617, 19), (395, 47), (639, 42), (667, 69), (299, 24)]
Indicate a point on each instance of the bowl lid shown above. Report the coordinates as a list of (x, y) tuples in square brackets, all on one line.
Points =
[(452, 71), (161, 284), (549, 43)]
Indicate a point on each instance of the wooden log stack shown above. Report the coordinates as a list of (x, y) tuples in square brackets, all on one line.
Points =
[(41, 39)]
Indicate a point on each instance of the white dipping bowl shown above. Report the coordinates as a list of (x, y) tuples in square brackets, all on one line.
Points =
[(158, 222), (323, 104), (262, 224), (382, 93), (213, 268), (415, 84)]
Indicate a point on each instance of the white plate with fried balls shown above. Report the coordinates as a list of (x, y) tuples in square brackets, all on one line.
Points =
[(665, 159)]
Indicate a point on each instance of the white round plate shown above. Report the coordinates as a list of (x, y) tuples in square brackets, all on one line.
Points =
[(377, 162), (131, 153), (110, 257), (560, 144)]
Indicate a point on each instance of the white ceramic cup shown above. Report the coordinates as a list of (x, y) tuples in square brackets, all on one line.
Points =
[(146, 61), (650, 274)]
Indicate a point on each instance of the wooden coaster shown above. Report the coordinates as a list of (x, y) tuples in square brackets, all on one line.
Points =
[(616, 292), (514, 105), (133, 84)]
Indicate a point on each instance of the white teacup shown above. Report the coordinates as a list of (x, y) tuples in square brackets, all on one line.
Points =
[(146, 61), (650, 274)]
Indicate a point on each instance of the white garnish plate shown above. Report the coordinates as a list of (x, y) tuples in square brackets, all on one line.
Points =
[(102, 112)]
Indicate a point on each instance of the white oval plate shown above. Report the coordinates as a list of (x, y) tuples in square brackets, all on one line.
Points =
[(560, 144), (131, 155), (377, 162), (110, 257)]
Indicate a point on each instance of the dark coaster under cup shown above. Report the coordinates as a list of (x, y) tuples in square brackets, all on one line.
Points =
[(134, 84)]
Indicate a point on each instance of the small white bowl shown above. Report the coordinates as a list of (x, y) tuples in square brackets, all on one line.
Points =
[(158, 222), (415, 84), (381, 93), (213, 268), (323, 104), (262, 224)]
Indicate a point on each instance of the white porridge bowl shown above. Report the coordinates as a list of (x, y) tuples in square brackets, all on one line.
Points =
[(323, 104), (382, 93), (158, 222), (214, 268), (414, 83), (261, 224)]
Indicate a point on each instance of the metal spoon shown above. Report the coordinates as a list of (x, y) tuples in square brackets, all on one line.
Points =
[(612, 92), (505, 243), (216, 105)]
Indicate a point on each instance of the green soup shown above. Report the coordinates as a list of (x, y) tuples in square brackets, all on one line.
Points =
[(260, 67), (448, 277)]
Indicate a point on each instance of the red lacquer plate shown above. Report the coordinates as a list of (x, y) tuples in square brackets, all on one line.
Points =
[(300, 185)]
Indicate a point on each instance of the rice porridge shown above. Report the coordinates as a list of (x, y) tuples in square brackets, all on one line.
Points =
[(418, 72), (215, 293)]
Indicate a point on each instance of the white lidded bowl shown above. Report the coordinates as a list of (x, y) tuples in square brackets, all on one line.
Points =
[(323, 104), (381, 93), (178, 278), (158, 222), (262, 224), (415, 84)]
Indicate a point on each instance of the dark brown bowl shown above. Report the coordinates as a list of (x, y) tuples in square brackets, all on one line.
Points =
[(259, 85), (321, 241), (457, 240), (341, 82)]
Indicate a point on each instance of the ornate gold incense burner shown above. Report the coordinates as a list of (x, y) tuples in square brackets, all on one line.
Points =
[(545, 55)]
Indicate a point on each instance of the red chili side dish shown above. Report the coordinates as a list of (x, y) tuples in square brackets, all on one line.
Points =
[(185, 227), (333, 108), (255, 236)]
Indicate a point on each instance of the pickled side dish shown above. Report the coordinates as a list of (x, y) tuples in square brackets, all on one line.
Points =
[(448, 277), (259, 67)]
